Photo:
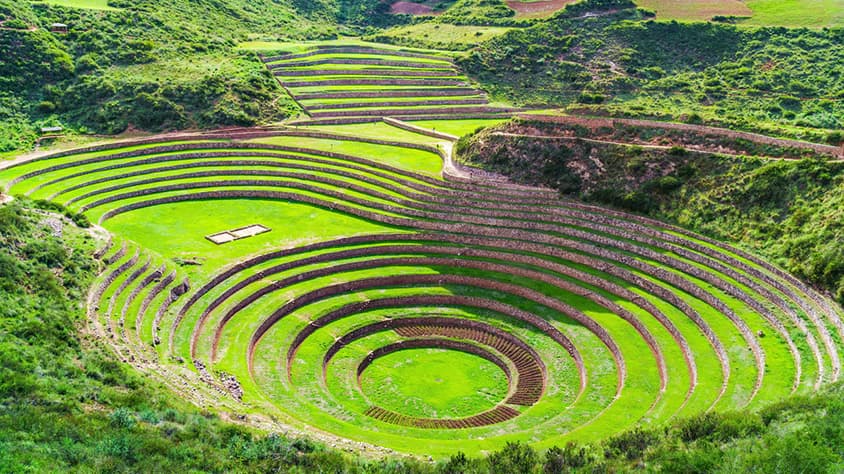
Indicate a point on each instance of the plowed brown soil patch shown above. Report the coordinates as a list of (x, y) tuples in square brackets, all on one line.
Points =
[(538, 8), (410, 8)]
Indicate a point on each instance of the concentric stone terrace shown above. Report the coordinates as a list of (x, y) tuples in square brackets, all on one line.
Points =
[(351, 84), (581, 321)]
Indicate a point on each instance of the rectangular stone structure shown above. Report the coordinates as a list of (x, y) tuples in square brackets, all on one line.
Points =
[(236, 234)]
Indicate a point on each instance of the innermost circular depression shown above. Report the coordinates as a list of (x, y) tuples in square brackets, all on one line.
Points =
[(434, 383)]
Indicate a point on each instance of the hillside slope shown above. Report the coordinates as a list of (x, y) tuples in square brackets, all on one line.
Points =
[(789, 210), (608, 57), (147, 65)]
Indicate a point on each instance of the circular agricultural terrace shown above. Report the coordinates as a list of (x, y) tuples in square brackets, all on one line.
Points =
[(394, 306)]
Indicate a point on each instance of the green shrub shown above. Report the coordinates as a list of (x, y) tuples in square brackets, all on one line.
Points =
[(835, 138), (122, 418), (568, 459), (514, 457), (15, 24), (631, 444), (677, 151)]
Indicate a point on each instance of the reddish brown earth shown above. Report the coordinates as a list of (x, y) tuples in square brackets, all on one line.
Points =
[(538, 8), (411, 8)]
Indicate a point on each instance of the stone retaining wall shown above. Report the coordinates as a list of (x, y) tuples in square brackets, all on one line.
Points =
[(361, 61), (388, 93), (406, 112), (748, 300), (375, 82), (421, 130), (595, 122), (281, 72), (355, 50), (398, 103), (439, 301)]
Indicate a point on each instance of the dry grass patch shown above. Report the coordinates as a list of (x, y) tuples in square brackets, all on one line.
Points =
[(695, 9), (537, 8)]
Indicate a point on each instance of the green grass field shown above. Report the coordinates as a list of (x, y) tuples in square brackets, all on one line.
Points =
[(794, 13), (434, 383), (91, 4), (443, 33), (790, 13)]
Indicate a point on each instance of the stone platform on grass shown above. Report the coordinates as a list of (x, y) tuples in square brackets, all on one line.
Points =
[(236, 234)]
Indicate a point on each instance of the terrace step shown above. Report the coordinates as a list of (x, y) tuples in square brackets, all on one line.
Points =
[(360, 62), (408, 112), (430, 102), (404, 118), (356, 50), (394, 93), (365, 72), (375, 82)]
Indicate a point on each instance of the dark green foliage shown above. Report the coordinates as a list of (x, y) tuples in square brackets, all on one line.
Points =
[(31, 58), (718, 427), (631, 444), (568, 459), (513, 457), (152, 66), (79, 219), (460, 464), (375, 13), (15, 24), (479, 12), (16, 130), (580, 9)]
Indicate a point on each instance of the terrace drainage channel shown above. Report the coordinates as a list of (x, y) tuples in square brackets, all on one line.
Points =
[(236, 234)]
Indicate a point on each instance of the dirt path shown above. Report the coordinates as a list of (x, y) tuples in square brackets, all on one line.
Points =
[(641, 145), (30, 29), (597, 122)]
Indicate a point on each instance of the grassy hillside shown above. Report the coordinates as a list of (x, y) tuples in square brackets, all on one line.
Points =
[(763, 78), (438, 35), (69, 406), (142, 65), (795, 13)]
